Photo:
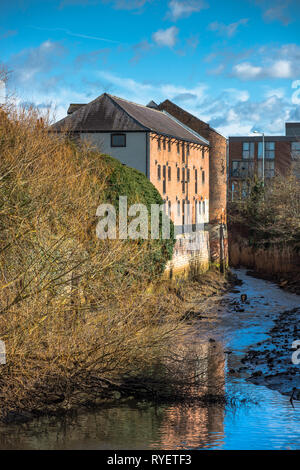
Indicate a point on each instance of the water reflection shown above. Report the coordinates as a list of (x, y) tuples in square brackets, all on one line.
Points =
[(272, 424)]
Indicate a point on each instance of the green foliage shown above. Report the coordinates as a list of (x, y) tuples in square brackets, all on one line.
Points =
[(126, 181)]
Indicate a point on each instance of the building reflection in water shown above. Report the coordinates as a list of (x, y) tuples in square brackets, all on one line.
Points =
[(134, 426), (198, 426)]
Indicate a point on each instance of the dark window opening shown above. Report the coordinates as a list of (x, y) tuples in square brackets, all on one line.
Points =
[(169, 146), (178, 174), (183, 153), (118, 140), (169, 173), (196, 181), (203, 177), (158, 172), (183, 180)]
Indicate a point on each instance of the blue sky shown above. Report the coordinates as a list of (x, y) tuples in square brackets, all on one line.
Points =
[(235, 64)]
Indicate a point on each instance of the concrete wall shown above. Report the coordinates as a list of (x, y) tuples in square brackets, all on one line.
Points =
[(133, 155), (186, 261)]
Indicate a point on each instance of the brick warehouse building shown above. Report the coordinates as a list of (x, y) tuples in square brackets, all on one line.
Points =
[(217, 178), (173, 156), (246, 157)]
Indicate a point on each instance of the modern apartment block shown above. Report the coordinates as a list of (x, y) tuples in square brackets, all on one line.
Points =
[(281, 153)]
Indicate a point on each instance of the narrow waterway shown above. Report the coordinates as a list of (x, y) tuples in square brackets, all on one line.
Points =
[(260, 418)]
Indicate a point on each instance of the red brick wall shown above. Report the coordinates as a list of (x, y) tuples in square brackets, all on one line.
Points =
[(217, 159), (173, 160)]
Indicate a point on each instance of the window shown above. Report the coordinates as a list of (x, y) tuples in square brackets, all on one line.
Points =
[(169, 146), (164, 144), (188, 174), (187, 149), (169, 204), (295, 146), (203, 152), (248, 150), (269, 150), (169, 173), (183, 212), (158, 144), (183, 153), (118, 140), (203, 177), (158, 172), (178, 208), (183, 180), (164, 179), (188, 208), (196, 181), (178, 147), (178, 174), (269, 168)]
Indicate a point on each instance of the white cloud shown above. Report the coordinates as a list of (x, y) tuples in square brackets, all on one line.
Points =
[(166, 37), (278, 92), (144, 92), (2, 92), (278, 69), (29, 62), (246, 71), (179, 9), (227, 30)]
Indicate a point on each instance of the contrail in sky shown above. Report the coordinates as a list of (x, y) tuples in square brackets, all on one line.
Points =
[(79, 35)]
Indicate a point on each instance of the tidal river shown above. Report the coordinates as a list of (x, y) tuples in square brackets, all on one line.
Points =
[(259, 418)]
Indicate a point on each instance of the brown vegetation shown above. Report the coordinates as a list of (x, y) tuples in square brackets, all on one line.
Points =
[(265, 229), (75, 313)]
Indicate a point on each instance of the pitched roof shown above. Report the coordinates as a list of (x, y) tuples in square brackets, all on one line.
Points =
[(189, 118), (110, 113), (74, 106)]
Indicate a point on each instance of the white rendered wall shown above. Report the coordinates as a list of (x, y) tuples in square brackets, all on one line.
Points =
[(133, 155)]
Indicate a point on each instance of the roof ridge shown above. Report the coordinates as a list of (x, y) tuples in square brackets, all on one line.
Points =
[(125, 111), (132, 102)]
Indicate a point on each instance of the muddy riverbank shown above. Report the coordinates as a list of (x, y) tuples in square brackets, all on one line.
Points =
[(275, 362), (261, 417)]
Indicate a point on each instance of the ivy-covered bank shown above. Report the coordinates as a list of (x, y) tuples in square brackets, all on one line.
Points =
[(126, 181)]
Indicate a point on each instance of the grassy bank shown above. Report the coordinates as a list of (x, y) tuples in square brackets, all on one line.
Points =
[(78, 320)]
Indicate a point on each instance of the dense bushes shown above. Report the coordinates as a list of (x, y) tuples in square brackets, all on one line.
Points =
[(72, 306)]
